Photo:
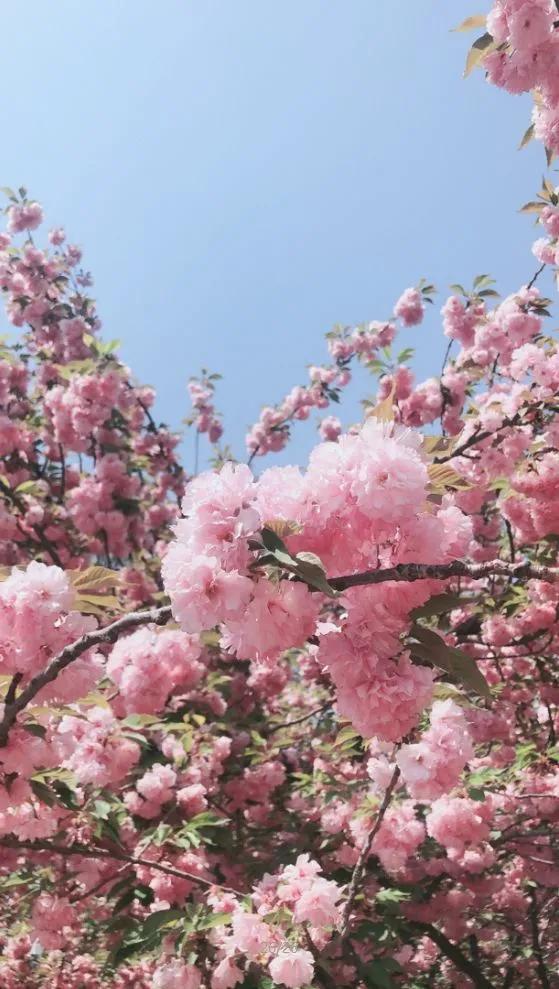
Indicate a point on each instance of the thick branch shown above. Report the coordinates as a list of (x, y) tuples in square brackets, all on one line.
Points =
[(100, 853), (108, 634), (322, 976), (364, 854), (159, 616), (453, 952), (442, 571)]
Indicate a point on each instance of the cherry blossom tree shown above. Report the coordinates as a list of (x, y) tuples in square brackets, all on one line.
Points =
[(285, 726)]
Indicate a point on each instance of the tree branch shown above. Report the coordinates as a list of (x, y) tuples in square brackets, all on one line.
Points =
[(298, 721), (100, 853), (323, 976), (364, 854), (456, 956), (535, 277), (536, 942), (442, 571), (159, 616), (22, 509), (108, 634)]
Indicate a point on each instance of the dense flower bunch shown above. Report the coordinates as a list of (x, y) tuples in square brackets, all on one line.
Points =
[(297, 727), (86, 472)]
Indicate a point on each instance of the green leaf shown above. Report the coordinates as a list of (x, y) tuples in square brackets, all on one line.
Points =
[(38, 730), (437, 605), (311, 569), (461, 667), (345, 735), (43, 792), (213, 920), (93, 578), (102, 809), (480, 48), (476, 793), (160, 919), (307, 566), (276, 547), (392, 895), (376, 975), (481, 280), (27, 487), (531, 207), (95, 604)]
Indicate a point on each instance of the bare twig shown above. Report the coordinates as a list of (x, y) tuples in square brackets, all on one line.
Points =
[(364, 854), (298, 721), (536, 941), (535, 277)]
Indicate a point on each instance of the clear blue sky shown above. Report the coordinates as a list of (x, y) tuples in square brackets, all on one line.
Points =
[(244, 174)]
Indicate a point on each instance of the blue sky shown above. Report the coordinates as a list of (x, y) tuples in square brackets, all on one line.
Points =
[(244, 174)]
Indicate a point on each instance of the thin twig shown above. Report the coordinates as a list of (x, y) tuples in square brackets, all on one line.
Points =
[(364, 854), (536, 942), (535, 277), (298, 721)]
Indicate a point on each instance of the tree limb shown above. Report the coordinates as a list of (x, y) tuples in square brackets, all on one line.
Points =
[(110, 633), (456, 956), (442, 571), (364, 854), (100, 853)]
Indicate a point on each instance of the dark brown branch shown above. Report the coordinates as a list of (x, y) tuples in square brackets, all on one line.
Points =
[(442, 571), (456, 956), (22, 509), (298, 721), (62, 474), (322, 976), (108, 634), (535, 277), (159, 616), (536, 942), (364, 854), (11, 692), (118, 856)]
